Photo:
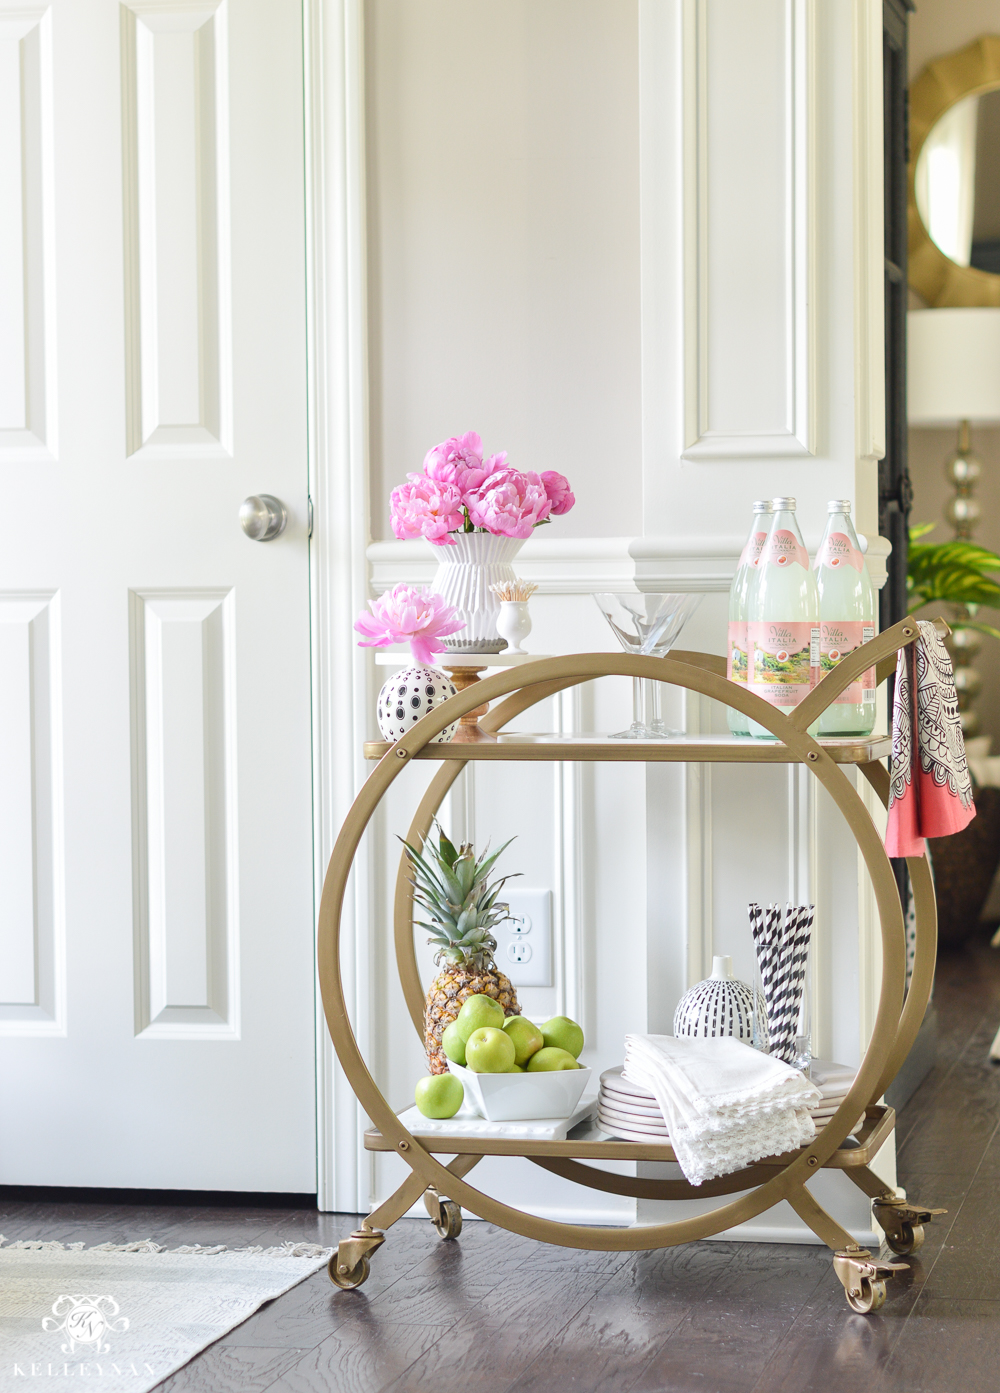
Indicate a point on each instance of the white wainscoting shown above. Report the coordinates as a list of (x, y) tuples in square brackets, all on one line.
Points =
[(32, 916), (185, 860), (28, 416), (178, 316)]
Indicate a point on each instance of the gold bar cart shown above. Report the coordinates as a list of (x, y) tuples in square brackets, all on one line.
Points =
[(443, 1186)]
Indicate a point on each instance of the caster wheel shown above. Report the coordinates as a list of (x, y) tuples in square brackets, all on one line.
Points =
[(870, 1298), (910, 1238), (449, 1225), (352, 1277)]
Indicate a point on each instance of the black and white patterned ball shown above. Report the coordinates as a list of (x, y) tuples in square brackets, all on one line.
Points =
[(409, 695)]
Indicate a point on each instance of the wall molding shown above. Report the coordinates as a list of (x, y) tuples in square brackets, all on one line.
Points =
[(579, 565), (338, 464), (869, 255), (570, 920), (795, 435)]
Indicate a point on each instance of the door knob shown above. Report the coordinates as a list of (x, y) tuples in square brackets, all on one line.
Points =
[(263, 517)]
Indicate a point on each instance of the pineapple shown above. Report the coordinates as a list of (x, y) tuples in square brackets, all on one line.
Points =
[(453, 887)]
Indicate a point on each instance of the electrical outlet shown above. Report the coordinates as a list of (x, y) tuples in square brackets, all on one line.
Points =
[(524, 941)]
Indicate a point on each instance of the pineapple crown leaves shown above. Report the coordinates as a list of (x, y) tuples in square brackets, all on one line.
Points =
[(453, 886)]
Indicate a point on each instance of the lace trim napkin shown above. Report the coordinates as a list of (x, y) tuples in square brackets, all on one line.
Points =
[(930, 796), (726, 1105)]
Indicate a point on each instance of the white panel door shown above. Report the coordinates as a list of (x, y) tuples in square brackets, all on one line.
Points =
[(156, 977)]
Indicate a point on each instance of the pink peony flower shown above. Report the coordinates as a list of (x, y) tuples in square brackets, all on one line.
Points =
[(509, 503), (457, 461), (426, 508), (558, 490), (407, 614)]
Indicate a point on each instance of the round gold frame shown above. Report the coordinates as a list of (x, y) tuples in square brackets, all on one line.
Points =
[(969, 70)]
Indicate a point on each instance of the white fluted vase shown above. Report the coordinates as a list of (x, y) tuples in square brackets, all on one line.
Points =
[(464, 575)]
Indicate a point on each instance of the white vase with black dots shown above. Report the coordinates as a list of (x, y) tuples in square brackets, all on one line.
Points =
[(718, 1006), (410, 694)]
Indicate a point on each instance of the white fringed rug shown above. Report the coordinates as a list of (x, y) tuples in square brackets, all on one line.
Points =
[(125, 1316)]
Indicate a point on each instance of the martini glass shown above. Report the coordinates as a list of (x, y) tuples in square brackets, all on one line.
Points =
[(649, 623)]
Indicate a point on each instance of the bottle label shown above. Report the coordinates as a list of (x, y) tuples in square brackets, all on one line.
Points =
[(836, 551), (736, 664), (836, 641), (753, 549), (784, 549), (785, 659)]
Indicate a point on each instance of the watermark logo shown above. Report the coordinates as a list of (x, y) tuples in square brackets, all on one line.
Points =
[(85, 1321)]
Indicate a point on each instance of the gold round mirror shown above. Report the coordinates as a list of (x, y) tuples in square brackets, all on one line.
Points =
[(954, 177)]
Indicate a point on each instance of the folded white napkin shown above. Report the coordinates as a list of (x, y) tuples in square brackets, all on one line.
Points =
[(726, 1104)]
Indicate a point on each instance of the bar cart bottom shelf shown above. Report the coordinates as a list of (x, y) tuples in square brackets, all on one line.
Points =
[(862, 1275)]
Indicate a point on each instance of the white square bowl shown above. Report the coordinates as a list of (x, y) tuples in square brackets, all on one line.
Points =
[(523, 1097)]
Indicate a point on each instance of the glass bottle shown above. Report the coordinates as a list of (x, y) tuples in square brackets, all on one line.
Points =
[(847, 619), (783, 618), (739, 592)]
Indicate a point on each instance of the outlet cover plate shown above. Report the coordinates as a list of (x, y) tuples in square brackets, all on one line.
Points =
[(524, 941)]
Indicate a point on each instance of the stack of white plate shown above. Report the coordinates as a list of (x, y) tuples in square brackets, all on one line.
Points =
[(625, 1110), (833, 1081)]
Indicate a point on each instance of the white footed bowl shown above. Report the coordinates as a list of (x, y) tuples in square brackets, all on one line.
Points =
[(523, 1097)]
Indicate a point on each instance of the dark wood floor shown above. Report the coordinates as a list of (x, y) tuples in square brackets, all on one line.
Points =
[(496, 1312)]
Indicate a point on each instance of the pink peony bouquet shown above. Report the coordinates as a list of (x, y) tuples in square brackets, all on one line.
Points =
[(459, 491), (408, 614)]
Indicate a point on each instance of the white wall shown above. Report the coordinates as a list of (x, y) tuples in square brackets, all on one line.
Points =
[(688, 317), (503, 188)]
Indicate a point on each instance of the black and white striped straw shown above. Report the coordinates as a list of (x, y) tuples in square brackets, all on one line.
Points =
[(782, 955)]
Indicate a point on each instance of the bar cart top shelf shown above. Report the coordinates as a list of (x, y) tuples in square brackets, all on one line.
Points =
[(718, 749)]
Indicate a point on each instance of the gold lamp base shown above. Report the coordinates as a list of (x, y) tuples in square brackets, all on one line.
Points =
[(963, 511)]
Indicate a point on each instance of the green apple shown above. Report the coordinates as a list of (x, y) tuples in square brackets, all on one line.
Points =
[(489, 1051), (453, 1043), (478, 1012), (564, 1034), (439, 1095), (515, 1069), (550, 1058), (526, 1036)]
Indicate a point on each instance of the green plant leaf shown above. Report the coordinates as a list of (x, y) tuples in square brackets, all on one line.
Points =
[(953, 581), (921, 529), (980, 628), (965, 553)]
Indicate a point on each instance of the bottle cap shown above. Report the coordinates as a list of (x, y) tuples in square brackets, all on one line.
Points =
[(783, 505), (764, 505), (839, 505)]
